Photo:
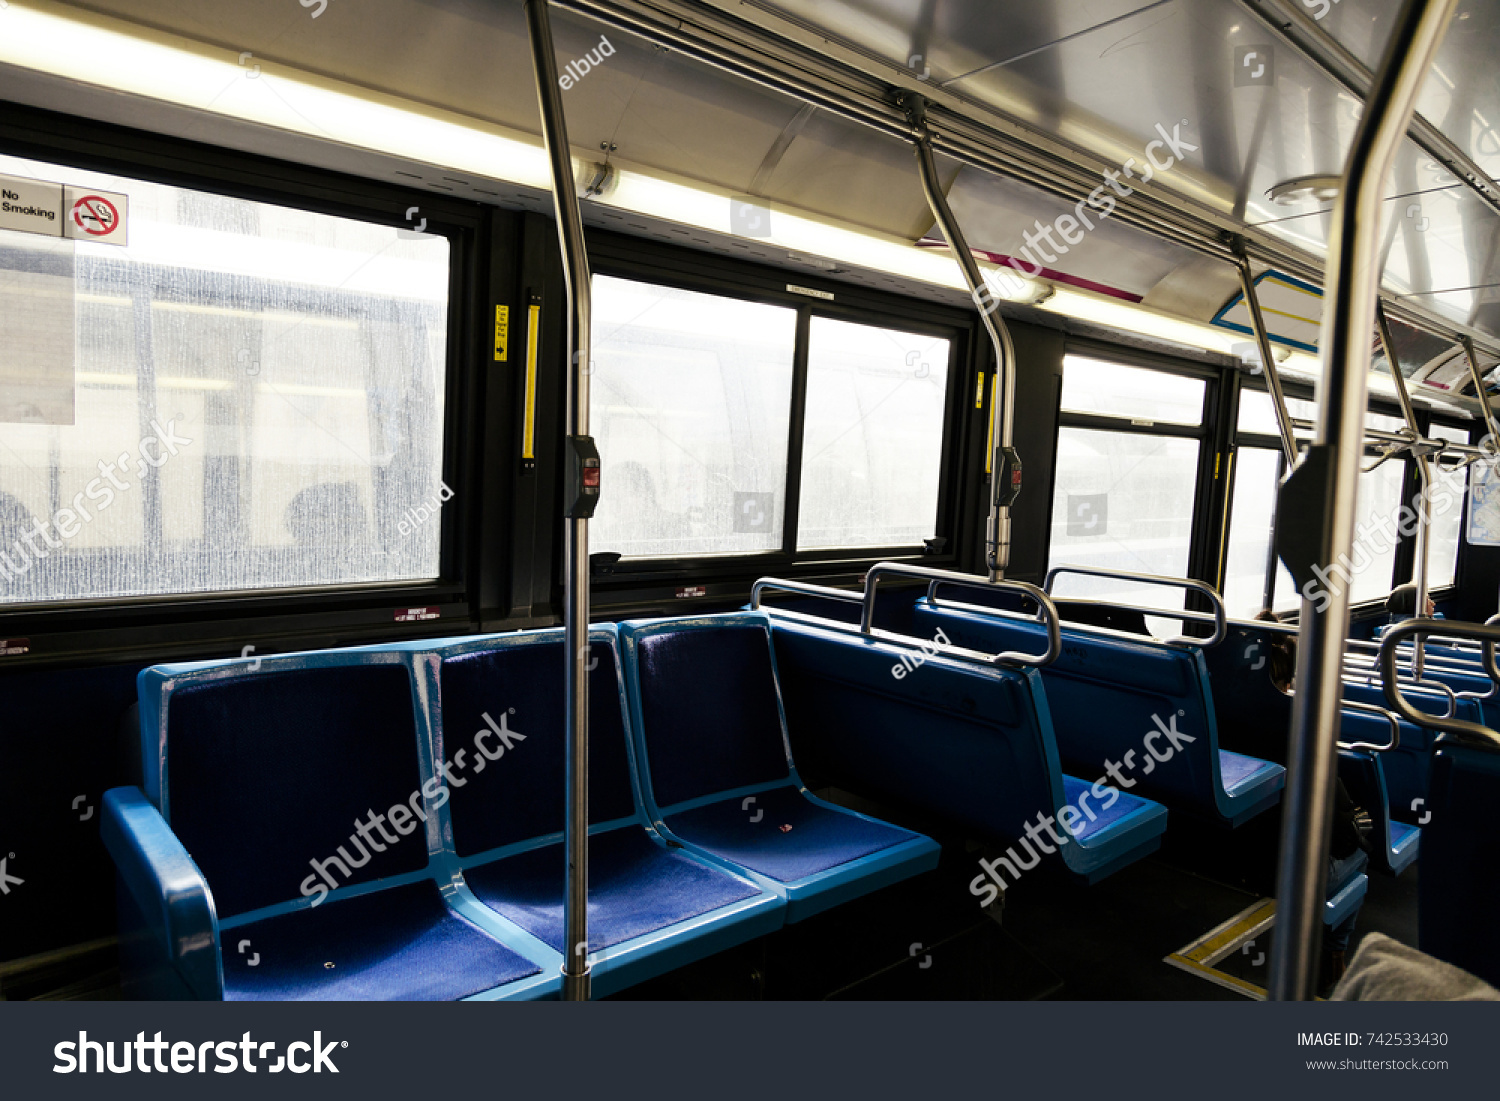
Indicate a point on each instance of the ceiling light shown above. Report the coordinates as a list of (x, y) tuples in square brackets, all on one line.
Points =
[(1305, 189)]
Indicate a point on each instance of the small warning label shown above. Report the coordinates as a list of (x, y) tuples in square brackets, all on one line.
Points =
[(414, 615), (95, 215), (14, 647), (690, 591)]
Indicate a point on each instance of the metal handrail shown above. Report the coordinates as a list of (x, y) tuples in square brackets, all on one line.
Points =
[(1460, 728), (931, 646), (1002, 419), (1330, 475), (1046, 610), (1373, 676), (1219, 618), (1395, 743)]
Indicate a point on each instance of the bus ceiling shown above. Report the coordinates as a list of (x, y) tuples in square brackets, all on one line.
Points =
[(1113, 152)]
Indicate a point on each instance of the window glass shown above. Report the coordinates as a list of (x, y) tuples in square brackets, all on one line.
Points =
[(246, 396), (1251, 518), (1123, 501), (872, 449), (1093, 386), (1446, 523), (691, 400), (1373, 557), (1258, 414), (1383, 423)]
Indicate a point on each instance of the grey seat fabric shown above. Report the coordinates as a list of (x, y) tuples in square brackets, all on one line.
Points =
[(1385, 970)]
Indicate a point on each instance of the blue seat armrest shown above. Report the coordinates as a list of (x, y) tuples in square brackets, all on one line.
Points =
[(167, 887)]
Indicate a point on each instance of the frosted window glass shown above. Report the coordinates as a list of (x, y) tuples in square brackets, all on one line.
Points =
[(274, 380)]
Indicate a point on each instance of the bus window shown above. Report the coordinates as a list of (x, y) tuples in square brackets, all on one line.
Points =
[(872, 449), (1124, 493), (1252, 516), (258, 403), (691, 402), (1447, 522)]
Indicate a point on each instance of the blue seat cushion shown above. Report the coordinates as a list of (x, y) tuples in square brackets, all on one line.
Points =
[(819, 837), (1240, 773), (1122, 807), (398, 944), (635, 887), (1402, 834)]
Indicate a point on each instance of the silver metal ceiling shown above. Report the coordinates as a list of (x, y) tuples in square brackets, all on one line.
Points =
[(1090, 82)]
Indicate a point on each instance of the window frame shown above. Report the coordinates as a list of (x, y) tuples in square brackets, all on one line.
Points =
[(1403, 567), (1202, 538), (188, 621), (645, 580)]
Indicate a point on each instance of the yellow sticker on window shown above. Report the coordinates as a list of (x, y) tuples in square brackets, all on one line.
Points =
[(502, 333)]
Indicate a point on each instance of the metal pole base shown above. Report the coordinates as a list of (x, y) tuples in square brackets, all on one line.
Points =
[(576, 988)]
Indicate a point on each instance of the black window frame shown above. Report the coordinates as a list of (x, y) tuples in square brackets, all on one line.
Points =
[(191, 622), (1202, 543), (641, 581)]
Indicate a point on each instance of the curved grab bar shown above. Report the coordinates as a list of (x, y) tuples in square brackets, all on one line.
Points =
[(1355, 705), (1369, 678), (1443, 663), (1046, 610), (1220, 615), (1463, 729)]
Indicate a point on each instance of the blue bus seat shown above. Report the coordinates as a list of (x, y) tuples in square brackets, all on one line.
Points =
[(1458, 892), (652, 908), (1347, 886), (717, 773), (1363, 772), (961, 742), (253, 777), (1113, 695)]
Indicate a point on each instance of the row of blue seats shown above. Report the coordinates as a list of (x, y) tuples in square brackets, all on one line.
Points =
[(988, 748), (386, 822)]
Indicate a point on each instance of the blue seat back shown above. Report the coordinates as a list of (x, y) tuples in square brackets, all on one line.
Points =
[(1458, 890), (962, 742), (516, 682), (1106, 694), (710, 716), (259, 773)]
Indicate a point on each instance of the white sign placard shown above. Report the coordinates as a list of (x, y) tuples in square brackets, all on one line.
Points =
[(53, 210), (95, 215), (31, 206), (1484, 507)]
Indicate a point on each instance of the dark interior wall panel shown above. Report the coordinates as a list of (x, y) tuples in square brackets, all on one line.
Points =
[(1039, 357)]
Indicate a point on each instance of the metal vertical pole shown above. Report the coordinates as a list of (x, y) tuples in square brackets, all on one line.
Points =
[(1324, 487), (1267, 359), (1485, 407), (1424, 475), (575, 968), (1005, 477)]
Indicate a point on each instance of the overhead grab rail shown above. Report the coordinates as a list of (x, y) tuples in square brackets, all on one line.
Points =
[(1219, 617), (1003, 461), (1047, 612), (1462, 729), (1323, 487), (1267, 358), (1480, 396), (581, 495)]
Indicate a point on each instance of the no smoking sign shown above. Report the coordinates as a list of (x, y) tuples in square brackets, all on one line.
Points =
[(95, 215)]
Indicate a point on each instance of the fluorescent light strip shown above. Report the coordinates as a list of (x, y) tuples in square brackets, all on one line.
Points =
[(123, 57)]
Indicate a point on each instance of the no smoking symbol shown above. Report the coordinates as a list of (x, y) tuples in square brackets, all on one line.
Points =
[(95, 215)]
